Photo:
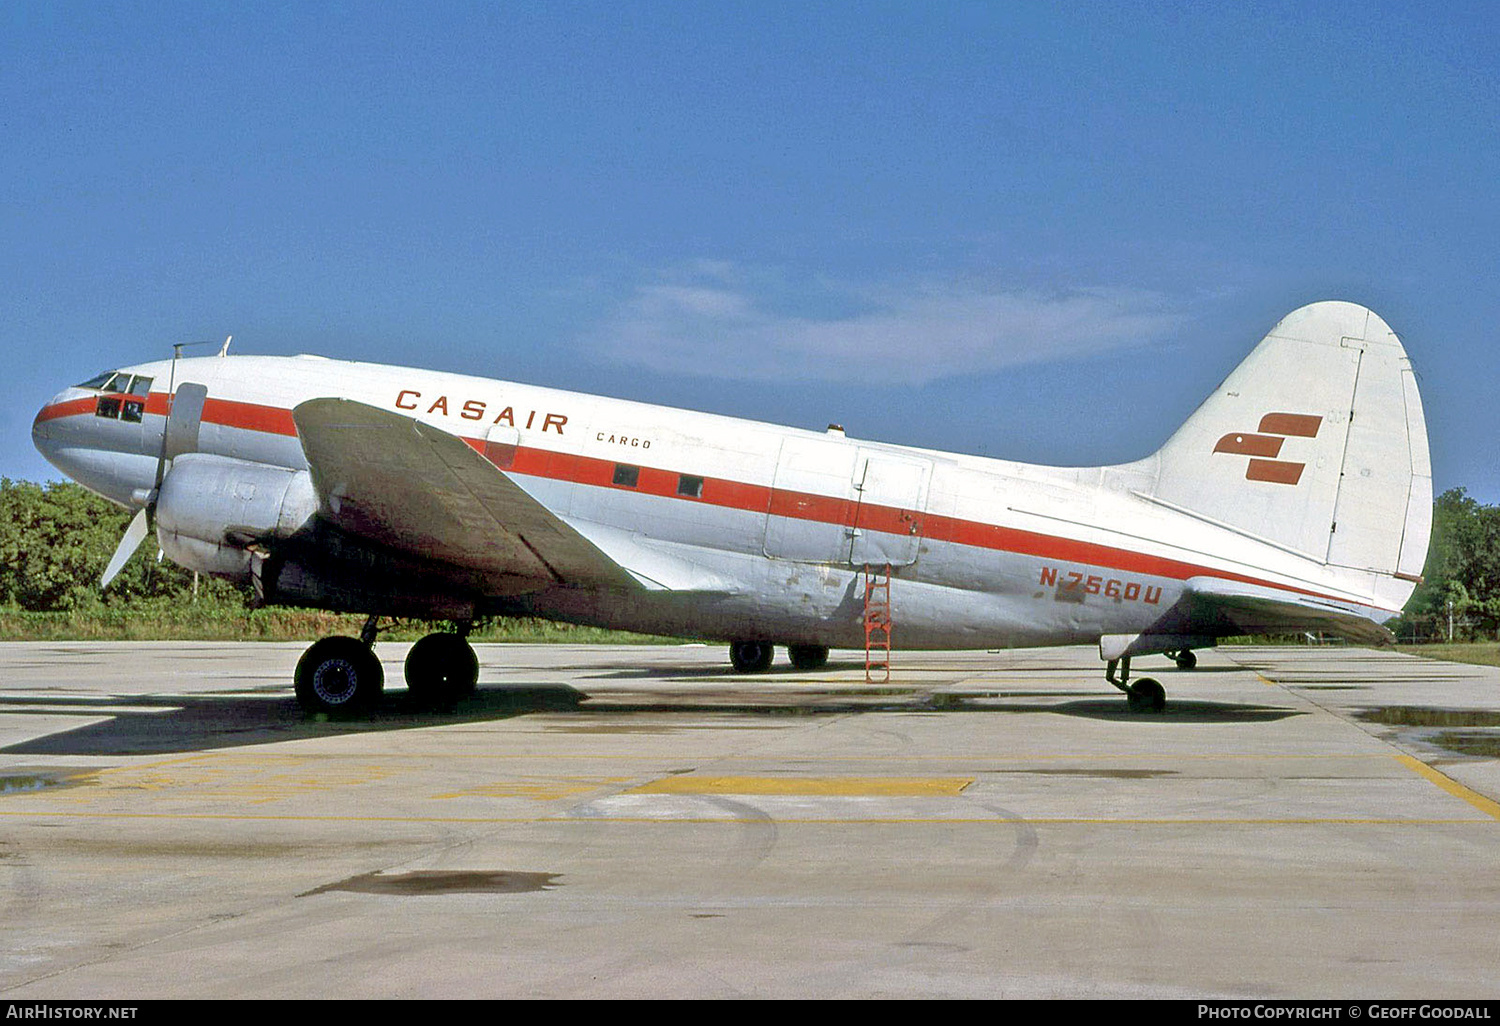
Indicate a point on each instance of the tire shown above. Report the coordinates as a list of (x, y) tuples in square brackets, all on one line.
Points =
[(808, 657), (339, 675), (1146, 696), (441, 669), (1185, 660), (752, 656)]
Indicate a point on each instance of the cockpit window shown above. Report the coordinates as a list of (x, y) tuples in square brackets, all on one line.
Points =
[(140, 385), (118, 383), (98, 381)]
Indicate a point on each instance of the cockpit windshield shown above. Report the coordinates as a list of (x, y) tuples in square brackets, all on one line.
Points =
[(98, 380), (119, 381)]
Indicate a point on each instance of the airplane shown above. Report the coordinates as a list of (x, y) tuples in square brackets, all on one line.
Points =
[(1297, 497)]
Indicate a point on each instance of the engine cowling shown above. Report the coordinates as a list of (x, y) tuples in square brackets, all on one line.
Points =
[(212, 508)]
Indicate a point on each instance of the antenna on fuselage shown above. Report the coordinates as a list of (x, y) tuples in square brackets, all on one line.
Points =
[(178, 347)]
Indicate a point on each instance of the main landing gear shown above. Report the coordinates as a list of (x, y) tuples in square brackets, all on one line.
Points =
[(342, 675), (751, 656), (808, 657), (756, 656), (441, 669), (339, 675), (1145, 695)]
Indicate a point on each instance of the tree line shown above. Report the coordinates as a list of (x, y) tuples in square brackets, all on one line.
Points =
[(56, 538), (1461, 580)]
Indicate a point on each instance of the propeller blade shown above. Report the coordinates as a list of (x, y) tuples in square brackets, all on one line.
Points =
[(140, 524)]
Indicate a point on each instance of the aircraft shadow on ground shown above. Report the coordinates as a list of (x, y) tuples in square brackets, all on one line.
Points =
[(634, 671), (161, 725)]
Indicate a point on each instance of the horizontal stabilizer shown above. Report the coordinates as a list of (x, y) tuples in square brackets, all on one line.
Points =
[(1220, 607)]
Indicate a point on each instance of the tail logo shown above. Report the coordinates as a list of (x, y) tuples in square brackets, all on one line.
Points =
[(1265, 445)]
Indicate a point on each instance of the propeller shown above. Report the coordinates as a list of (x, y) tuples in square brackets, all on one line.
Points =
[(140, 526), (144, 522), (179, 434)]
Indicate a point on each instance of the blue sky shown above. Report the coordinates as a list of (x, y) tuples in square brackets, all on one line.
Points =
[(1036, 231)]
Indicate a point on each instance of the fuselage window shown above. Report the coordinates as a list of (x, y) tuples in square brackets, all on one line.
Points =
[(131, 410), (109, 407), (689, 485), (627, 476)]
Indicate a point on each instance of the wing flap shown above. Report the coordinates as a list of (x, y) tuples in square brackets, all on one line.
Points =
[(419, 489), (657, 566)]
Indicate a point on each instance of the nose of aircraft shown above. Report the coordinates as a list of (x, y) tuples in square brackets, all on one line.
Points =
[(41, 428), (64, 435)]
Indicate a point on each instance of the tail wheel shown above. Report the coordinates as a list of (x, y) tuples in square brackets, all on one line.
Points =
[(339, 675), (441, 668), (751, 656), (808, 657)]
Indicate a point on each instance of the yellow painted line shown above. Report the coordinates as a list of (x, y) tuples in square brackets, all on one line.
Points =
[(841, 787), (438, 757), (1031, 820), (542, 790), (993, 821), (1453, 787)]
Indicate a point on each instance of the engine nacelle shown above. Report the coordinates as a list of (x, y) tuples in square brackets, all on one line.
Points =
[(211, 508), (358, 580)]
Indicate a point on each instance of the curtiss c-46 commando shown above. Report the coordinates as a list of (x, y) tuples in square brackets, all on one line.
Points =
[(1297, 497)]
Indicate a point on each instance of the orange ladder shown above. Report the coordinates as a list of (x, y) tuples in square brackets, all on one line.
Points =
[(877, 621)]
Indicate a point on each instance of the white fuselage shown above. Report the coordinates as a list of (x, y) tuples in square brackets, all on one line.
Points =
[(768, 528)]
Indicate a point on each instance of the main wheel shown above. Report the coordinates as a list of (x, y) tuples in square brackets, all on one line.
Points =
[(1146, 695), (1185, 660), (339, 675), (808, 657), (751, 656), (441, 668)]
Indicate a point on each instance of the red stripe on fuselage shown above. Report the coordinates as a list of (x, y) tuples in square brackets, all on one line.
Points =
[(589, 470), (71, 408), (271, 420), (228, 412)]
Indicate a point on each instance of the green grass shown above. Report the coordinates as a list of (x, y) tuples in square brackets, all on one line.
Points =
[(1482, 653), (220, 619), (175, 620)]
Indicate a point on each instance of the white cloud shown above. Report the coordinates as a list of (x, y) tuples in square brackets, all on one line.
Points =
[(717, 326)]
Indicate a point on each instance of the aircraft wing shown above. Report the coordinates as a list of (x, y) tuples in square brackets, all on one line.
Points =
[(1215, 603), (420, 490)]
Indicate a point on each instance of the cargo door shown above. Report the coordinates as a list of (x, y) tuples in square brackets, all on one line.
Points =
[(811, 514), (892, 495)]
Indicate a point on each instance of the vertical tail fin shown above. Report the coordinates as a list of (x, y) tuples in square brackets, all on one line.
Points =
[(1316, 442)]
